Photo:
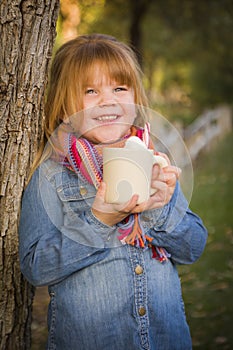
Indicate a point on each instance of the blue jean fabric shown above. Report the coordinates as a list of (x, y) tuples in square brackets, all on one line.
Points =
[(105, 295)]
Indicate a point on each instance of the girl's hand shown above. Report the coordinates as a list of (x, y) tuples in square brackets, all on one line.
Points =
[(111, 214), (164, 182)]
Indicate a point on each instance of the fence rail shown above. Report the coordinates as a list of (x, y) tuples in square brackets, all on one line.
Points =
[(206, 129), (198, 136)]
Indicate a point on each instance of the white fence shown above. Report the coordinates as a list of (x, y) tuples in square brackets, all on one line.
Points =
[(206, 129), (184, 145)]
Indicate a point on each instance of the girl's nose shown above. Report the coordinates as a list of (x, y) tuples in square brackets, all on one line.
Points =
[(107, 98)]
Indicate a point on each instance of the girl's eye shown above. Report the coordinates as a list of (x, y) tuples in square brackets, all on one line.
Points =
[(121, 88), (89, 91)]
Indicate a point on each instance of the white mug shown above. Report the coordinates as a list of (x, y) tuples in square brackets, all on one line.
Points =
[(127, 172)]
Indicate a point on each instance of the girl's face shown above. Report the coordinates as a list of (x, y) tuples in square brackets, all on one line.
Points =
[(109, 110)]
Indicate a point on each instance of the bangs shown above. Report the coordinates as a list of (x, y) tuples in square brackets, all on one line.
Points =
[(113, 73), (107, 64)]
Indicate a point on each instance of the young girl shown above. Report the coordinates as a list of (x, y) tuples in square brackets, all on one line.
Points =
[(110, 268)]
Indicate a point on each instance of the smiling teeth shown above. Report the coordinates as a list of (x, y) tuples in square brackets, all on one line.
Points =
[(107, 117)]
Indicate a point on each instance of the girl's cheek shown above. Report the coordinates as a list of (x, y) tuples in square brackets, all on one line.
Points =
[(89, 101)]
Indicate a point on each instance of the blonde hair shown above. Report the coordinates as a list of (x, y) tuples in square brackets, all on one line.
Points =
[(71, 70)]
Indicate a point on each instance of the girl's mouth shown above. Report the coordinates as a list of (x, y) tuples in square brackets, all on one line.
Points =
[(107, 118)]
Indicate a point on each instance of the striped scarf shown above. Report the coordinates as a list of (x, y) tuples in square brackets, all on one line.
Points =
[(85, 159)]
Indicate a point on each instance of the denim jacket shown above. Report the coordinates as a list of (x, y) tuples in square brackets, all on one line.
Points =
[(105, 295)]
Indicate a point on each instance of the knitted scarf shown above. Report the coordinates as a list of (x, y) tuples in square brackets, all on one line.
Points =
[(85, 159)]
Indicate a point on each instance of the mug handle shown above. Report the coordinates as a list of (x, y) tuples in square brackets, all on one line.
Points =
[(162, 163)]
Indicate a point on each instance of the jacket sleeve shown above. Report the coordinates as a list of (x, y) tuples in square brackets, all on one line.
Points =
[(177, 229), (47, 252)]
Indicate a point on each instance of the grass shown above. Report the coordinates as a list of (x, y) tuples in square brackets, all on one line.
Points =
[(208, 284)]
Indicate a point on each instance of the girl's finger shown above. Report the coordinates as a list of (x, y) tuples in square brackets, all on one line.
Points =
[(128, 206), (173, 169), (164, 156)]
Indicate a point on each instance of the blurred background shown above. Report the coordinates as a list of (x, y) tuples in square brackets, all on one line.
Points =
[(185, 48)]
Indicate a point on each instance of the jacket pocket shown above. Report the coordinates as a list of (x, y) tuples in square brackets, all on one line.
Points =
[(76, 196)]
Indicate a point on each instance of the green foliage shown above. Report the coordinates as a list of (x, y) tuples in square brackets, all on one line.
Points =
[(104, 16), (193, 40), (211, 85)]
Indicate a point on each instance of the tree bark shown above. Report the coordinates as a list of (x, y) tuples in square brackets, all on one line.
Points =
[(27, 31)]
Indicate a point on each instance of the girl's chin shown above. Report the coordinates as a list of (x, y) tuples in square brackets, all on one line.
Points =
[(104, 139), (105, 136)]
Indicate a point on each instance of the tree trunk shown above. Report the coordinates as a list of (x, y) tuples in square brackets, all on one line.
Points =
[(27, 31), (138, 10)]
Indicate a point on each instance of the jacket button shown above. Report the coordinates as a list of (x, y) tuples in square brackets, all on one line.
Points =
[(142, 311), (138, 270), (83, 191)]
